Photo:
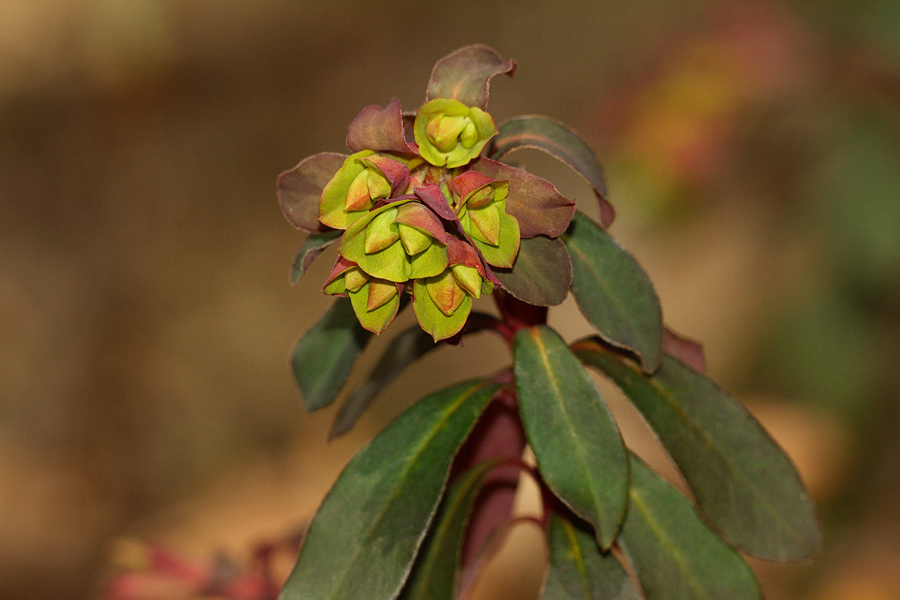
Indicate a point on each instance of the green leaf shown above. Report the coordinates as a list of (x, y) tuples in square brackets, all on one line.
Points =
[(363, 539), (535, 202), (300, 189), (323, 357), (560, 142), (672, 553), (404, 349), (435, 573), (465, 75), (541, 274), (579, 570), (312, 247), (743, 482), (575, 440), (613, 292)]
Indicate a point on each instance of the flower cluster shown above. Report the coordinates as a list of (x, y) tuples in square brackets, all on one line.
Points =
[(416, 208)]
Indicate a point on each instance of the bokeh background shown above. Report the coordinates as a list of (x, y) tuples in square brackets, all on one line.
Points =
[(752, 150)]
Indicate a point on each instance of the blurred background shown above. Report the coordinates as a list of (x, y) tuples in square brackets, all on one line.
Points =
[(752, 151)]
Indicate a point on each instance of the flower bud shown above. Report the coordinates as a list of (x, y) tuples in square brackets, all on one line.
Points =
[(450, 134)]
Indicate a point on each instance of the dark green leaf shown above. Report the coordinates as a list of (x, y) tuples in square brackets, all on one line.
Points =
[(465, 75), (743, 482), (560, 142), (403, 350), (579, 570), (312, 247), (434, 575), (300, 189), (541, 274), (575, 440), (535, 202), (672, 553), (323, 357), (613, 292), (362, 542)]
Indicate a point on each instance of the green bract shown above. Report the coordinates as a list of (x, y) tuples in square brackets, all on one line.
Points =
[(364, 178), (375, 301), (480, 203), (450, 134), (397, 242)]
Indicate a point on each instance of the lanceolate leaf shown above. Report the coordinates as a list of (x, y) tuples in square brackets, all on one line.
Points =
[(671, 551), (403, 350), (613, 292), (312, 247), (532, 200), (323, 357), (579, 570), (575, 440), (541, 274), (562, 143), (435, 574), (300, 189), (465, 75), (744, 484), (365, 535)]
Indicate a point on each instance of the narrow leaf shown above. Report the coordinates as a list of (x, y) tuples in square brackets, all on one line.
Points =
[(363, 539), (404, 349), (672, 552), (575, 440), (579, 570), (435, 573), (613, 292), (323, 357), (744, 484), (535, 202), (541, 274), (560, 142), (312, 247), (300, 189), (465, 75)]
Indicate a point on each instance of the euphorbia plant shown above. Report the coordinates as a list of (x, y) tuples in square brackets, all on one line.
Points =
[(424, 210)]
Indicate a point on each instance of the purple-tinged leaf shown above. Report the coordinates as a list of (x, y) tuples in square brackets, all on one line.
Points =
[(688, 351), (613, 292), (435, 573), (535, 202), (435, 199), (745, 485), (468, 182), (323, 357), (312, 247), (541, 274), (395, 172), (379, 129), (364, 538), (498, 434), (579, 570), (560, 142), (575, 440), (671, 551), (465, 75), (300, 189), (418, 215)]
